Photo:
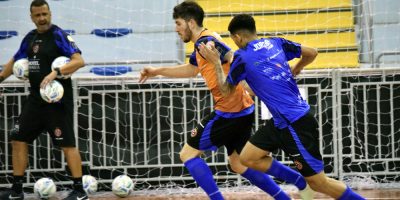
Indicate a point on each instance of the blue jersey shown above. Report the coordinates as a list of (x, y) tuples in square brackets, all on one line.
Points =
[(263, 63), (41, 49)]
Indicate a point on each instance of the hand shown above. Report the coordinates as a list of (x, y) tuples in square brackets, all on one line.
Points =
[(146, 73), (50, 77), (210, 53)]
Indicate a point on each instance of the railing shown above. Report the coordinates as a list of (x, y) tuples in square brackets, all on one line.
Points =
[(139, 129)]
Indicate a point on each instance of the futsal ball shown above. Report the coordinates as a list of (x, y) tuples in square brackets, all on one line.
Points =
[(21, 69), (122, 185), (45, 188), (59, 63), (89, 184), (52, 92)]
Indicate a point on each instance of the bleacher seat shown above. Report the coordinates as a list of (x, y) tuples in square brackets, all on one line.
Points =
[(325, 25)]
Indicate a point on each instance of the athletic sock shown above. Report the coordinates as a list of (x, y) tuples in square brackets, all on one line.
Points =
[(287, 174), (203, 176), (349, 194), (17, 184), (264, 182), (77, 185)]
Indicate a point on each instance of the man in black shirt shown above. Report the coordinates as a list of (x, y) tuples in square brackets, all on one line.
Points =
[(41, 46)]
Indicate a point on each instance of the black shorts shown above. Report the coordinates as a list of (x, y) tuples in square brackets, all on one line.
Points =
[(215, 131), (300, 141), (37, 118)]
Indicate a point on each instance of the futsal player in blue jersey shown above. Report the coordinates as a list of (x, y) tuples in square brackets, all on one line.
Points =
[(263, 65)]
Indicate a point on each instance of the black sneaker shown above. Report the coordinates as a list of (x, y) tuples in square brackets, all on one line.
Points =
[(11, 195), (77, 195)]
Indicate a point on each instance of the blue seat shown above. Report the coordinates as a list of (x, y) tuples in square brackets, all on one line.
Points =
[(110, 70), (111, 32), (7, 34)]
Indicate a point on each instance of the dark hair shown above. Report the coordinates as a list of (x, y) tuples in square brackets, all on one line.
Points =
[(38, 3), (242, 22), (189, 10)]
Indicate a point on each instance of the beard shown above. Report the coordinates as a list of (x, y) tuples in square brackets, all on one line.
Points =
[(187, 35)]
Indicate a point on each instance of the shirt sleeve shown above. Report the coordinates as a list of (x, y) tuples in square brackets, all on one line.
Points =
[(292, 49), (237, 71), (220, 46), (192, 59), (65, 43), (23, 49)]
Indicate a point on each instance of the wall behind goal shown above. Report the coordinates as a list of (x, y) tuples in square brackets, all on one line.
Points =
[(153, 38)]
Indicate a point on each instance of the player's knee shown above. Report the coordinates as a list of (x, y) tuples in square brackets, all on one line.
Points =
[(236, 166), (317, 184), (246, 160)]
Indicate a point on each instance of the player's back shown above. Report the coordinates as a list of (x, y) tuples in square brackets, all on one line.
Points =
[(235, 102), (269, 75)]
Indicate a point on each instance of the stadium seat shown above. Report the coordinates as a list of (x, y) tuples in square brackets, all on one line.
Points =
[(111, 32), (325, 25), (7, 34), (342, 40), (229, 6), (289, 22)]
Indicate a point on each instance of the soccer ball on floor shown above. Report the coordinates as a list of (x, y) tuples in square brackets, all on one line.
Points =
[(59, 63), (21, 69), (52, 92), (45, 188), (122, 185), (89, 184)]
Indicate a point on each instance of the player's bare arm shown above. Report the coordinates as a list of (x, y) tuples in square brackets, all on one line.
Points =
[(211, 54), (179, 71), (308, 55), (69, 68), (247, 87), (7, 70)]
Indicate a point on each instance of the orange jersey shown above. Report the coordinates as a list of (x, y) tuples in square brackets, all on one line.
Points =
[(235, 102)]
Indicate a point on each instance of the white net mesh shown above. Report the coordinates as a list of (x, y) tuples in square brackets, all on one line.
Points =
[(127, 128)]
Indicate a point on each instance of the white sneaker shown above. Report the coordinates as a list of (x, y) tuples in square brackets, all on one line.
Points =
[(307, 193)]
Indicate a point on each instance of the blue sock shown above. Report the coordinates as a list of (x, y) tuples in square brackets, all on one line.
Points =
[(287, 174), (264, 182), (348, 194), (204, 177)]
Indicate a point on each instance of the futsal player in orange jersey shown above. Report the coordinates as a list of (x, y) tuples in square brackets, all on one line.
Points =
[(230, 125)]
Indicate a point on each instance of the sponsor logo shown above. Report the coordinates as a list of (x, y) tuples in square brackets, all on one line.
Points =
[(35, 48), (57, 132), (263, 44), (70, 38), (11, 197), (298, 164), (193, 132)]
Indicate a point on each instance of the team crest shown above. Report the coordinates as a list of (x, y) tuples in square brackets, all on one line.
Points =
[(35, 48), (298, 164), (193, 132), (57, 132)]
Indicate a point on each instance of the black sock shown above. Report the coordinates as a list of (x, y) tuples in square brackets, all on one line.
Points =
[(78, 184), (17, 184)]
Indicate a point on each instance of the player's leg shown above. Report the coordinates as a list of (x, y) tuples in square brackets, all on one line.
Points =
[(26, 130), (303, 148), (236, 135), (198, 141), (256, 155), (60, 127), (257, 178)]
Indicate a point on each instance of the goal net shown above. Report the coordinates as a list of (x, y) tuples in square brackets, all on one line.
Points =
[(123, 127)]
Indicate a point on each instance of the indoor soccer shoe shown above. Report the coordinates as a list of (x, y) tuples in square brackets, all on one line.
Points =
[(11, 195), (307, 193), (77, 195)]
